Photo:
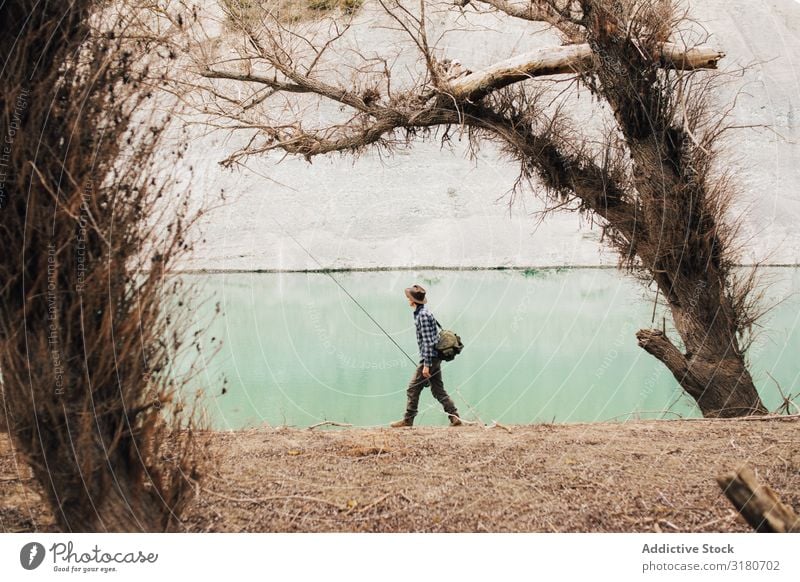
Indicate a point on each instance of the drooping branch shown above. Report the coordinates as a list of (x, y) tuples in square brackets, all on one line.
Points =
[(564, 175), (561, 60)]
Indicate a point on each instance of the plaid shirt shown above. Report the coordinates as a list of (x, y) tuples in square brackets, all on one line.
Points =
[(427, 334)]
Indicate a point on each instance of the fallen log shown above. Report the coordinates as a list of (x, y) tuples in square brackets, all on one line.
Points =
[(757, 503)]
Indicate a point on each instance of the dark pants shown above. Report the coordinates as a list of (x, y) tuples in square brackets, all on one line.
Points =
[(418, 382)]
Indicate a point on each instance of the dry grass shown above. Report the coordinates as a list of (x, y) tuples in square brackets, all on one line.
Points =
[(632, 477)]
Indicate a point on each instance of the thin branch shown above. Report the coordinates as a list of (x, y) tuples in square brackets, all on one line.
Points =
[(540, 11), (250, 78), (329, 423)]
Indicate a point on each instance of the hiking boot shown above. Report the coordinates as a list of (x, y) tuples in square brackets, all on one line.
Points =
[(455, 421), (401, 423)]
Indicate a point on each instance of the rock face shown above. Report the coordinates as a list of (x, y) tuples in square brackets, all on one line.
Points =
[(431, 206)]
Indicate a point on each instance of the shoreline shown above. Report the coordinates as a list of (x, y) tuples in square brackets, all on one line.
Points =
[(636, 476), (456, 268)]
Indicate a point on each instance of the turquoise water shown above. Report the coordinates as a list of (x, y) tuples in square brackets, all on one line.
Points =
[(541, 346)]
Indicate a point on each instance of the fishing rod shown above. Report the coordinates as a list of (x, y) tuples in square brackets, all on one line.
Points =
[(328, 273)]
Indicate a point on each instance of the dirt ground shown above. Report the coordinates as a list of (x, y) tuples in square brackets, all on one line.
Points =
[(633, 477)]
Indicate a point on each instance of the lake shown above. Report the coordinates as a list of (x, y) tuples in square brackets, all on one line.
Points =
[(551, 345)]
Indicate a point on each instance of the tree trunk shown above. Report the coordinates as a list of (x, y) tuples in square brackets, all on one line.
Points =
[(721, 384), (108, 500), (681, 237), (712, 370), (678, 241), (695, 281), (84, 351)]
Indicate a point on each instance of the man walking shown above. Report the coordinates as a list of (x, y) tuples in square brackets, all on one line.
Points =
[(429, 370)]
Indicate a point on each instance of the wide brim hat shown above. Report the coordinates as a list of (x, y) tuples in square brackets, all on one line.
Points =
[(416, 294)]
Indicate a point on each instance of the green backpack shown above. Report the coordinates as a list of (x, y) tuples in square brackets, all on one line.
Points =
[(449, 344)]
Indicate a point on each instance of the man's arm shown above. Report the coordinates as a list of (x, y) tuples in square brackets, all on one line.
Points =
[(430, 335)]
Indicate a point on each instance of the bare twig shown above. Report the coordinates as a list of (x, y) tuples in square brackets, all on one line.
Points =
[(274, 498), (328, 423)]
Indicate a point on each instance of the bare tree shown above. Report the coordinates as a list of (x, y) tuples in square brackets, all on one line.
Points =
[(86, 346), (649, 181)]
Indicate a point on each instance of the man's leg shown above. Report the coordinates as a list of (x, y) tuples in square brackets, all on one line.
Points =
[(438, 391), (415, 386)]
